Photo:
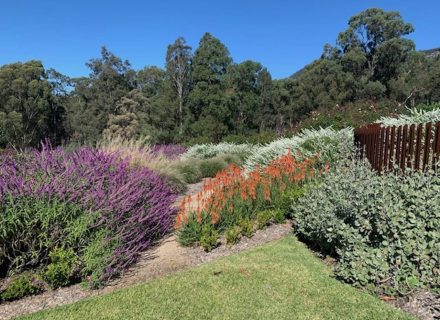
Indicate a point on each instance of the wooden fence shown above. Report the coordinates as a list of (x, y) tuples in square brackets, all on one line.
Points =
[(409, 146)]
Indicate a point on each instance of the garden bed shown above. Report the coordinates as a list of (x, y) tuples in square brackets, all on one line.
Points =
[(168, 257)]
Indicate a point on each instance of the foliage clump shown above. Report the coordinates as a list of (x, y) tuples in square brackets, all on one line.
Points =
[(20, 286), (209, 238), (61, 269), (205, 151), (234, 198), (233, 235), (421, 114), (329, 143), (53, 199), (383, 229)]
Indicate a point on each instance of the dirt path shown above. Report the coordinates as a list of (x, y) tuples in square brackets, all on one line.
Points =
[(166, 258)]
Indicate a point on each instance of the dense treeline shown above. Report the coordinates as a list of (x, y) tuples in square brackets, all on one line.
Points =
[(203, 95)]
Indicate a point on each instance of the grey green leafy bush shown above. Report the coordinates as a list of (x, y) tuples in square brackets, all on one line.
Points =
[(210, 150), (194, 170), (383, 229)]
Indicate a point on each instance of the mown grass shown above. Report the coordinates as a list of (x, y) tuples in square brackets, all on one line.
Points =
[(280, 280)]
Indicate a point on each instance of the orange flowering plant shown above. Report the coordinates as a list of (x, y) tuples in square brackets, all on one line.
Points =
[(234, 195)]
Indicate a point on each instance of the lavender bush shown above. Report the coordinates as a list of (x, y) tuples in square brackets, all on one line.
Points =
[(134, 204), (170, 151)]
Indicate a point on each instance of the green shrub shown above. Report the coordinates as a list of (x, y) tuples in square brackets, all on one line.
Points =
[(287, 199), (232, 159), (197, 140), (233, 235), (383, 229), (97, 256), (60, 271), (209, 167), (209, 238), (272, 215), (177, 183), (30, 228), (263, 219), (247, 227), (189, 170), (278, 216), (190, 233), (23, 285)]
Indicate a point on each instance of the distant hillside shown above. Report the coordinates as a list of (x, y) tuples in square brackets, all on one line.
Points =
[(431, 53)]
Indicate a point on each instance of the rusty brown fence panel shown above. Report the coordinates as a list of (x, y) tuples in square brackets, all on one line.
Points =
[(414, 146)]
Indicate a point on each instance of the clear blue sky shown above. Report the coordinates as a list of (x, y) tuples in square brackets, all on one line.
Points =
[(282, 35)]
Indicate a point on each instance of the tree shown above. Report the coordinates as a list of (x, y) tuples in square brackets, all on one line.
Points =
[(158, 113), (26, 104), (244, 95), (265, 115), (178, 61), (125, 123), (375, 32), (150, 80), (207, 100), (95, 97)]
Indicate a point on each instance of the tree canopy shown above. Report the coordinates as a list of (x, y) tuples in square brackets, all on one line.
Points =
[(203, 95)]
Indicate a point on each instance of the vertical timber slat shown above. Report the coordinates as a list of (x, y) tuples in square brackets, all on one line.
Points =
[(427, 144), (418, 146)]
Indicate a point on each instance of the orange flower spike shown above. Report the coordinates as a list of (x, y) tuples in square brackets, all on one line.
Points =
[(178, 223)]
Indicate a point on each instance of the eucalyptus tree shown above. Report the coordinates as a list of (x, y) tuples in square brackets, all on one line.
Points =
[(178, 63)]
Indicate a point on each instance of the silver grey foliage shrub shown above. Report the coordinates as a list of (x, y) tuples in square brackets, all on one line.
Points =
[(415, 116), (330, 144), (210, 150), (383, 229)]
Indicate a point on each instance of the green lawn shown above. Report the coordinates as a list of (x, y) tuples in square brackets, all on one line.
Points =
[(280, 280)]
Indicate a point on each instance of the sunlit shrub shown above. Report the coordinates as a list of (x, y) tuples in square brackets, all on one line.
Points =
[(330, 144), (209, 238), (22, 285), (51, 197), (383, 229), (233, 197), (421, 114), (247, 227), (205, 151), (233, 235), (61, 268)]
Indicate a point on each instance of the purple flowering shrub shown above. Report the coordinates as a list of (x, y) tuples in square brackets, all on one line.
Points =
[(131, 206), (170, 151)]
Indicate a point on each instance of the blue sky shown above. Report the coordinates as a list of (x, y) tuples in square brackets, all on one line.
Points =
[(282, 35)]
